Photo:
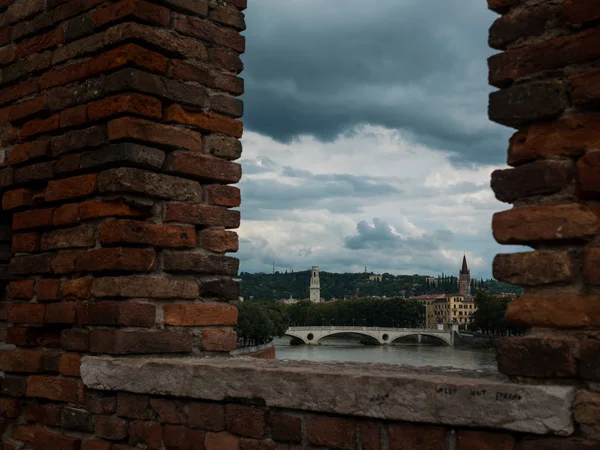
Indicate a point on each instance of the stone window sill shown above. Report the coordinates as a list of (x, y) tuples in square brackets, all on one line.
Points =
[(441, 396)]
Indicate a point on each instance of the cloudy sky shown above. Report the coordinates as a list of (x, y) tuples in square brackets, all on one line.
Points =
[(367, 141)]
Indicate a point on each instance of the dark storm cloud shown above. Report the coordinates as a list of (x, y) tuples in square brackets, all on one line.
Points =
[(380, 236), (322, 66)]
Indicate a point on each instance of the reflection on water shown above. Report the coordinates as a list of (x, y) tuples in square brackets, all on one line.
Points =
[(349, 349)]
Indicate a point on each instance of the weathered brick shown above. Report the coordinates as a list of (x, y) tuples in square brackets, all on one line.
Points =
[(34, 172), (559, 444), (62, 313), (149, 433), (331, 432), (68, 238), (184, 70), (23, 289), (199, 314), (17, 198), (245, 420), (210, 32), (204, 167), (18, 91), (131, 8), (522, 104), (555, 310), (111, 428), (39, 43), (66, 214), (523, 23), (139, 342), (23, 336), (139, 181), (69, 364), (206, 416), (546, 55), (285, 428), (199, 263), (223, 146), (417, 437), (534, 268), (587, 413), (589, 357), (14, 386), (225, 59), (481, 440), (214, 340), (226, 104), (97, 209), (26, 433), (157, 133), (73, 117), (44, 440), (31, 264), (145, 287), (221, 441), (537, 178), (48, 290), (75, 340), (588, 168), (221, 195), (24, 109), (69, 188), (90, 444), (26, 313), (105, 259), (578, 12), (182, 438), (544, 223), (585, 88), (228, 15), (77, 419), (79, 139), (101, 403), (591, 262), (205, 121), (125, 103), (46, 414), (21, 360), (128, 54), (51, 388), (219, 241), (136, 232), (98, 313), (169, 411), (255, 444), (135, 314), (536, 357), (202, 215), (226, 289), (40, 126)]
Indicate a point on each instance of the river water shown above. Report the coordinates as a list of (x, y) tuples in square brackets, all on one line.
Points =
[(349, 349)]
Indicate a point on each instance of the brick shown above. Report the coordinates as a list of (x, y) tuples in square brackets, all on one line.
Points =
[(105, 259), (98, 313), (523, 23), (182, 438), (44, 440), (24, 109), (128, 54), (534, 268), (78, 237), (10, 408), (31, 264), (64, 313), (137, 314), (17, 199), (522, 104), (26, 313), (133, 406), (202, 215), (591, 275), (131, 8), (370, 435), (210, 32), (157, 38), (555, 310), (78, 139), (227, 290), (125, 103), (588, 168), (48, 290), (139, 342), (25, 243), (23, 336), (332, 432), (75, 340), (578, 12), (25, 152), (95, 445), (80, 47), (68, 188), (228, 15), (18, 91), (546, 55), (245, 420), (417, 437), (204, 121), (254, 444), (26, 433), (149, 287), (218, 340), (587, 412), (51, 388), (537, 178), (285, 428), (223, 146), (149, 433), (206, 416), (221, 441), (221, 195), (585, 88), (199, 314), (203, 167), (66, 214), (34, 172), (97, 209), (100, 403), (197, 7), (39, 126), (111, 428), (77, 419), (139, 181), (39, 43), (46, 414), (157, 133), (225, 59), (480, 440), (589, 357), (73, 117), (14, 386), (33, 219), (199, 263), (69, 364), (544, 223), (219, 241), (184, 70), (559, 444), (226, 104), (170, 411), (21, 361), (157, 235), (23, 289)]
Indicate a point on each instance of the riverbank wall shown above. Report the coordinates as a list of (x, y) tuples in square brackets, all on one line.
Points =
[(265, 351)]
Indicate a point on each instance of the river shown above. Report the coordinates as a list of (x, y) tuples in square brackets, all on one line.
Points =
[(349, 349)]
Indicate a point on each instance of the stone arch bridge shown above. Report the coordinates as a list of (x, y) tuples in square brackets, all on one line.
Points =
[(384, 336)]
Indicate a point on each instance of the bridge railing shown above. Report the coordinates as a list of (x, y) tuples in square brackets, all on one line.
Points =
[(355, 328)]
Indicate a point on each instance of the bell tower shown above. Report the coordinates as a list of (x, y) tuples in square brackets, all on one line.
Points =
[(315, 285), (464, 278)]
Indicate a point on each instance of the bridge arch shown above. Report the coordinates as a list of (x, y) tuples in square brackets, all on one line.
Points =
[(439, 337)]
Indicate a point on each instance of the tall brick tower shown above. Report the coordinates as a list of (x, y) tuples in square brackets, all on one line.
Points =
[(464, 278), (315, 285)]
